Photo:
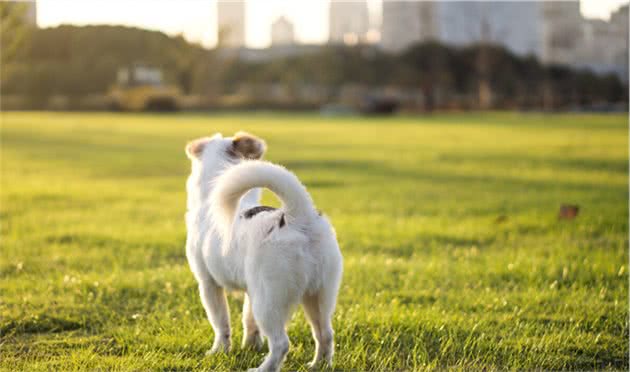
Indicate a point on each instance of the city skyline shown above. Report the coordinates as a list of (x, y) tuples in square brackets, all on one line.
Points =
[(196, 19)]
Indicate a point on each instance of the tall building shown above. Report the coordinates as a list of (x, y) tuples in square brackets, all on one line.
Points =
[(604, 46), (231, 23), (562, 31), (553, 31), (400, 25), (619, 25), (282, 32), (349, 22), (513, 23)]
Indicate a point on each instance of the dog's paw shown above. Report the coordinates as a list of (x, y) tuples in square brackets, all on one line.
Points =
[(217, 350), (219, 346), (213, 351), (253, 341), (321, 364)]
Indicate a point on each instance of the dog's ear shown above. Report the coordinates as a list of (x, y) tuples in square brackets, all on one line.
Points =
[(195, 148), (247, 146)]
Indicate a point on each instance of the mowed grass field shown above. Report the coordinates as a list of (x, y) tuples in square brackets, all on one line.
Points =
[(454, 255)]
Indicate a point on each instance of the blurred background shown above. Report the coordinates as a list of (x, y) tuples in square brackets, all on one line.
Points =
[(339, 57)]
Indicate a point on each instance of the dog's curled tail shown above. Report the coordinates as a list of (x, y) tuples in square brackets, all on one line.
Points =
[(237, 180)]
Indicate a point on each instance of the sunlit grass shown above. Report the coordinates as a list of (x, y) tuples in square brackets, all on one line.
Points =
[(454, 256)]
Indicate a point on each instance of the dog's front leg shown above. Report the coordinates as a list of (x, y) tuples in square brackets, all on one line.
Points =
[(215, 304)]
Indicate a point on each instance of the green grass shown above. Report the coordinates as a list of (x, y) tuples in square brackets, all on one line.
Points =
[(93, 273)]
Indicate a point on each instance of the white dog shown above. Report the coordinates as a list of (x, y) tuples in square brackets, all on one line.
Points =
[(279, 257)]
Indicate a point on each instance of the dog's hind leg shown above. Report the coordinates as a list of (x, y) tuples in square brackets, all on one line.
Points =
[(319, 309), (271, 314), (251, 333), (215, 304)]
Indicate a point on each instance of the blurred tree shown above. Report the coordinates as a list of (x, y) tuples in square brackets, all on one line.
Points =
[(14, 29), (14, 35), (76, 61), (432, 67)]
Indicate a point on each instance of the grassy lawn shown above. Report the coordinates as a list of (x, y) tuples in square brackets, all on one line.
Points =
[(454, 256)]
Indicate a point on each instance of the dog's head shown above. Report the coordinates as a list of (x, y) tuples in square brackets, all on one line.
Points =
[(214, 153)]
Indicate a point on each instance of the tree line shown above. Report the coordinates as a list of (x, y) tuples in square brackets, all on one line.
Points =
[(76, 61)]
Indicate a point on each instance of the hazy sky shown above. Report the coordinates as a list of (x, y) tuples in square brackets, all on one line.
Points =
[(196, 19)]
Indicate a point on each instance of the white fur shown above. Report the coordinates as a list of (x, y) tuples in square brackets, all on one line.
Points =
[(277, 267)]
